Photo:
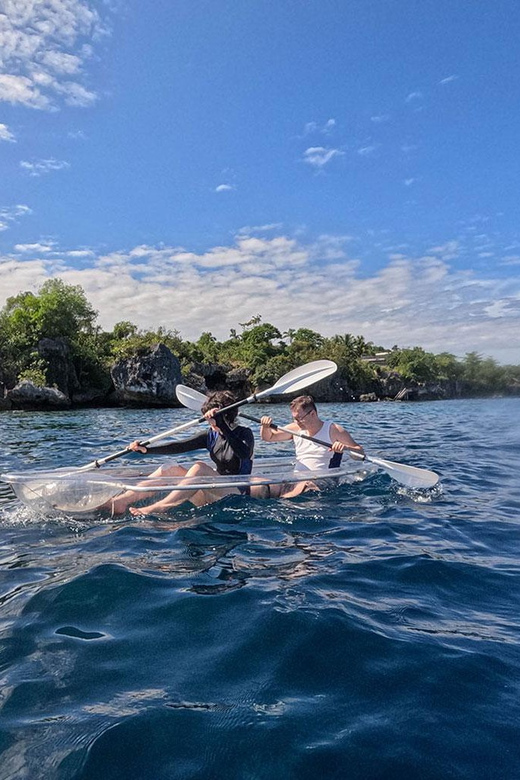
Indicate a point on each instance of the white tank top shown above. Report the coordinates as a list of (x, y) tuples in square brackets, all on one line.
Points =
[(314, 457)]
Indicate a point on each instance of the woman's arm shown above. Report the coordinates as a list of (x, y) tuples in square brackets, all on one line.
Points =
[(197, 442), (240, 438)]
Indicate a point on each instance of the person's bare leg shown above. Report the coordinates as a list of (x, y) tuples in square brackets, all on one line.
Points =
[(296, 490), (176, 497), (266, 491), (119, 504)]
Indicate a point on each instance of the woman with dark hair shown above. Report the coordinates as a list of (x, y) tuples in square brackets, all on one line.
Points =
[(230, 447)]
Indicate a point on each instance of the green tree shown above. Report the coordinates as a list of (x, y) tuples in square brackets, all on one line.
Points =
[(207, 348), (123, 330), (253, 347), (58, 310), (306, 345), (141, 341), (413, 364)]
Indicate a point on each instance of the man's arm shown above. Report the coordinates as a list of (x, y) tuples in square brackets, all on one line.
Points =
[(268, 434), (341, 440)]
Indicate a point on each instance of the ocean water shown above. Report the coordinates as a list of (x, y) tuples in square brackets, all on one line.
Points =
[(365, 633)]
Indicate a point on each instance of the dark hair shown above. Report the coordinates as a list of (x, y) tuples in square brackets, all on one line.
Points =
[(304, 403), (221, 399)]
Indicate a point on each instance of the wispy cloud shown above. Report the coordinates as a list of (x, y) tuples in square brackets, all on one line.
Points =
[(42, 247), (41, 167), (323, 129), (11, 215), (449, 79), (43, 49), (511, 260), (78, 253), (414, 97), (291, 284), (380, 119), (248, 229), (448, 251), (366, 151), (6, 134), (318, 156), (224, 188)]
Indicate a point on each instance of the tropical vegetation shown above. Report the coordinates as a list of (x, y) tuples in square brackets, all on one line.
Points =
[(61, 311)]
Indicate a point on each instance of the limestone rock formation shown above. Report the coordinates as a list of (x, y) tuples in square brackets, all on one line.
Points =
[(28, 396), (147, 379)]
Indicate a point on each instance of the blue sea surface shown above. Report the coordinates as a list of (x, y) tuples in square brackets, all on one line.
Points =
[(370, 632)]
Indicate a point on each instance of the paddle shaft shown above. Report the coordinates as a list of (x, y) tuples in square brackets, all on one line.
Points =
[(290, 382), (353, 453), (108, 458), (411, 476), (178, 429)]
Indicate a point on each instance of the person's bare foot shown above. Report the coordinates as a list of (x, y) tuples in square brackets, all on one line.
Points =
[(136, 511), (115, 506), (153, 509)]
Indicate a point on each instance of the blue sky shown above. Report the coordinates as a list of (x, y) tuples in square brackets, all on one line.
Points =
[(349, 166)]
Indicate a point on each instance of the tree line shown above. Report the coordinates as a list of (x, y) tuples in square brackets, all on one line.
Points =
[(61, 311)]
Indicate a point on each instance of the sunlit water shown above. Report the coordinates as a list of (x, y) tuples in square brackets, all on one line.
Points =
[(369, 632)]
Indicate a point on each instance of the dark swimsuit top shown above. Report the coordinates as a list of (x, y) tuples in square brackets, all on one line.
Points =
[(231, 451)]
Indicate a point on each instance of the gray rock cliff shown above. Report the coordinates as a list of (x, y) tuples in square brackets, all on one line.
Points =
[(148, 379)]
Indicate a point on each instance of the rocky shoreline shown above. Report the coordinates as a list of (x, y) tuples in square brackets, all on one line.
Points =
[(148, 380)]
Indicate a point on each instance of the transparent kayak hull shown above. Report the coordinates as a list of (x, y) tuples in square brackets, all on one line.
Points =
[(74, 491)]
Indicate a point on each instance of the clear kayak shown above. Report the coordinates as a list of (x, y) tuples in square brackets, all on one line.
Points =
[(76, 491)]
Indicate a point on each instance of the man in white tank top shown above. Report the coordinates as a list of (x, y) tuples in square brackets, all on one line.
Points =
[(309, 455)]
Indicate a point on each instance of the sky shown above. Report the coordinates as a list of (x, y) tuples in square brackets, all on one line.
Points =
[(349, 166)]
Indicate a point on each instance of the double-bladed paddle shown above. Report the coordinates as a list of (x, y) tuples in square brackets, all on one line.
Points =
[(411, 476), (291, 382)]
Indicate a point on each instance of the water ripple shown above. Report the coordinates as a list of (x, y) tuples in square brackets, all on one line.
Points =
[(370, 632)]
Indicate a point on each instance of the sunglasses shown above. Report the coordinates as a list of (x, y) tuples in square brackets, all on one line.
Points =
[(302, 417)]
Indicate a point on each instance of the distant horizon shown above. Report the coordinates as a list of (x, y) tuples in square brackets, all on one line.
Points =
[(349, 168)]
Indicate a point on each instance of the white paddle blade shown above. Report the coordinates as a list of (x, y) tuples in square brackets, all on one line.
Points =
[(301, 377), (190, 398), (410, 476)]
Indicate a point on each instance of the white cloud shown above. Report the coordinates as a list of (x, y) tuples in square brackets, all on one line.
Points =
[(224, 188), (42, 45), (318, 156), (366, 151), (408, 182), (413, 97), (449, 79), (380, 119), (6, 134), (10, 215), (38, 248), (247, 230), (448, 251), (79, 253), (324, 129), (40, 167), (20, 89), (409, 301), (75, 94)]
